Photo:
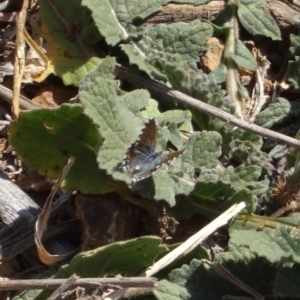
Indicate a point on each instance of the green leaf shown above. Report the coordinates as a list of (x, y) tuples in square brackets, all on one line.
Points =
[(255, 18), (67, 60), (243, 57), (202, 149), (163, 43), (128, 258), (277, 112), (276, 239), (117, 124), (219, 75), (295, 44), (294, 73), (183, 283), (135, 58), (293, 70), (212, 191), (242, 176), (287, 281), (46, 138), (195, 83), (245, 148), (73, 70), (186, 39), (113, 18)]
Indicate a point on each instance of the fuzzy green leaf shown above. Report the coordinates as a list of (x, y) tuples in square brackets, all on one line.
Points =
[(294, 73), (183, 283), (294, 66), (280, 243), (113, 18), (195, 83), (219, 75), (98, 95), (276, 113), (295, 44), (255, 19), (168, 43), (243, 57), (202, 150), (186, 39)]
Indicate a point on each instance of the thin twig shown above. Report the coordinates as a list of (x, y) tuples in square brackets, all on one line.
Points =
[(222, 271), (64, 287), (165, 92), (25, 103), (19, 63), (51, 284), (32, 44)]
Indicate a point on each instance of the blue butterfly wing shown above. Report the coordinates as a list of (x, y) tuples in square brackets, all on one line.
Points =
[(141, 160), (141, 150)]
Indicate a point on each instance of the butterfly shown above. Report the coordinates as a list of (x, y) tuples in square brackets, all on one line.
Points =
[(141, 160)]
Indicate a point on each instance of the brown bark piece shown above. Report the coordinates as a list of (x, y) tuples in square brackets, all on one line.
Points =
[(286, 15)]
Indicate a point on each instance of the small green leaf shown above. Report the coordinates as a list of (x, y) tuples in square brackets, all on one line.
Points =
[(295, 44), (73, 70), (294, 66), (135, 58), (294, 73), (219, 75), (255, 19), (275, 113), (243, 57), (213, 191), (202, 150)]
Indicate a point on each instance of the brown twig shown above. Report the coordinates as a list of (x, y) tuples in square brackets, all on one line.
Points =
[(222, 271), (19, 63), (7, 95), (160, 90), (64, 287), (32, 284)]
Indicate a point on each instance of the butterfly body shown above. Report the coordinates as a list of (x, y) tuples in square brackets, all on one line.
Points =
[(141, 160)]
